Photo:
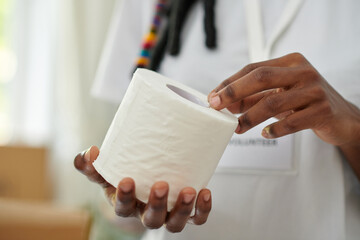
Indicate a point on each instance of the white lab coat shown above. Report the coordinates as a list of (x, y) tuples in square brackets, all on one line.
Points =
[(320, 197)]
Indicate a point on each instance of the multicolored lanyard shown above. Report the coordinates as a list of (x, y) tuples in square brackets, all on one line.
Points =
[(151, 37)]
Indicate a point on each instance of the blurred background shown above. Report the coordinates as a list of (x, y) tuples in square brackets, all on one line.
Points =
[(49, 51)]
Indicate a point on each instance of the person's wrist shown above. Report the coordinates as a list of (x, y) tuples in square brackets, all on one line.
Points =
[(354, 141), (351, 150), (351, 147), (354, 128)]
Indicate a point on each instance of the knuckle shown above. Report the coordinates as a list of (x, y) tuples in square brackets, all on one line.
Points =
[(124, 201), (262, 74), (225, 82), (309, 74), (241, 106), (318, 92), (325, 108), (158, 207), (229, 91), (272, 103), (297, 57), (289, 125), (184, 212), (223, 85), (250, 67), (245, 120)]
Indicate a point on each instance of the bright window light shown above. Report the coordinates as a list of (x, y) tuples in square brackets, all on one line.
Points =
[(7, 70)]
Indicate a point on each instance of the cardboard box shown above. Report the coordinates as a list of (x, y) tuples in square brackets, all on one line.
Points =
[(41, 221), (24, 173)]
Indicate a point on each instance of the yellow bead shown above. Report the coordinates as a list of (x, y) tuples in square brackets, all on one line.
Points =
[(143, 61), (150, 37)]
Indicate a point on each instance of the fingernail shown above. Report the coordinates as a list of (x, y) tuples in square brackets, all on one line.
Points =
[(160, 192), (188, 198), (207, 197), (237, 129), (126, 187), (266, 132), (87, 155), (215, 101)]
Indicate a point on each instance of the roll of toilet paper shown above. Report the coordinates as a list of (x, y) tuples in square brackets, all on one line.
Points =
[(164, 130)]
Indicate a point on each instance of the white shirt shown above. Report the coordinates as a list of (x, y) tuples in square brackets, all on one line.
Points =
[(320, 199)]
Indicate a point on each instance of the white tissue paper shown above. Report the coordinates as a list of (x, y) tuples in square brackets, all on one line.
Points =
[(164, 130)]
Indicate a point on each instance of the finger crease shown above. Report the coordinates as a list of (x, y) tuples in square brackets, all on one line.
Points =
[(245, 120), (241, 106), (229, 91)]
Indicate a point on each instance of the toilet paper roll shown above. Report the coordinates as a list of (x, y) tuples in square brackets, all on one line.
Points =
[(164, 130)]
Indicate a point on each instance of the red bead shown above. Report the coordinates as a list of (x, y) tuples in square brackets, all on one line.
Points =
[(147, 45)]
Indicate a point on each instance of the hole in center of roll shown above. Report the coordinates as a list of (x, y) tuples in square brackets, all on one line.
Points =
[(186, 95)]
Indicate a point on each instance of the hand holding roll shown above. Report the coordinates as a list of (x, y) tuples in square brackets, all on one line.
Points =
[(153, 214), (164, 131), (165, 138)]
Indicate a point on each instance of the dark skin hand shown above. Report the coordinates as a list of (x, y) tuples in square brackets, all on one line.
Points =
[(152, 214), (288, 88), (291, 89)]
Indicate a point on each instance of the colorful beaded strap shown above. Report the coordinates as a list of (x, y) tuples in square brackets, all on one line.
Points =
[(150, 38)]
